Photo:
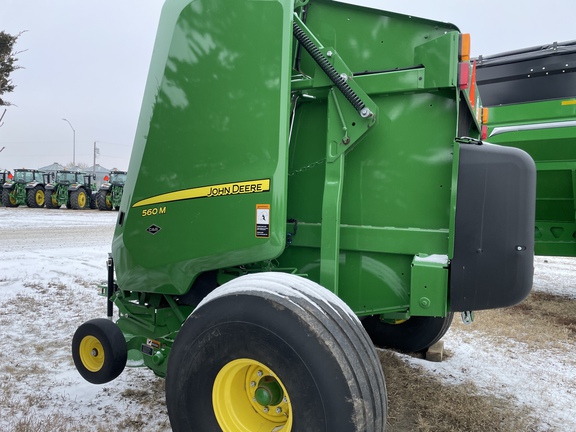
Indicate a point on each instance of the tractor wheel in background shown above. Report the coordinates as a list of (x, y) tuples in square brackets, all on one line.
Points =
[(274, 351), (93, 197), (79, 200), (413, 335), (8, 199), (103, 200), (35, 197), (99, 350), (50, 199)]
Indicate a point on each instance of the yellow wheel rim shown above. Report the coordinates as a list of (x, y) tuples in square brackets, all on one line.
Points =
[(54, 200), (248, 396), (81, 199), (40, 197), (13, 199), (91, 353)]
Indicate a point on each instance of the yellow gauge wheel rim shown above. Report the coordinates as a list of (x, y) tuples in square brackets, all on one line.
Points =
[(248, 396), (91, 353)]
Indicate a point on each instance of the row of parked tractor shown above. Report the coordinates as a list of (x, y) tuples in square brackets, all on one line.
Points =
[(72, 189)]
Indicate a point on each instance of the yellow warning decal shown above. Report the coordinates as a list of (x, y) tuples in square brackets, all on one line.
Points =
[(224, 189), (263, 220), (569, 102)]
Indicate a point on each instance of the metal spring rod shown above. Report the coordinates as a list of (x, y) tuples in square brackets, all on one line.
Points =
[(327, 67)]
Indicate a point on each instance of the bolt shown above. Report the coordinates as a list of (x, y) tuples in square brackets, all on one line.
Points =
[(278, 410), (265, 409), (259, 373), (365, 112), (329, 54), (284, 399), (344, 76), (424, 302), (252, 383)]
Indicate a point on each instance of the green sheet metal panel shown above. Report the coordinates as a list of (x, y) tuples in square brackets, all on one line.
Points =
[(207, 180), (397, 182)]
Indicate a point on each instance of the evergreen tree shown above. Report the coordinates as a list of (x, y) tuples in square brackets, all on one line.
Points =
[(8, 64)]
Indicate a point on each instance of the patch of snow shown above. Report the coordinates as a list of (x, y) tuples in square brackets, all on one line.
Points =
[(285, 286), (434, 258)]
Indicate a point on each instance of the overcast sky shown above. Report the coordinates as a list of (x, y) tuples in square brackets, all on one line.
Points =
[(87, 61)]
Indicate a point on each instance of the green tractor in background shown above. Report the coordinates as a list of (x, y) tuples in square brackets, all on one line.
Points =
[(25, 187), (109, 195), (70, 188)]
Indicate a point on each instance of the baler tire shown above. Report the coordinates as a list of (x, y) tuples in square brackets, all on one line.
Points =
[(79, 199), (413, 335), (298, 335), (50, 199), (103, 201), (35, 197), (99, 350), (7, 199)]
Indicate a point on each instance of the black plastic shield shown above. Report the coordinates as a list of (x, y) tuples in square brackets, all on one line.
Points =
[(494, 230)]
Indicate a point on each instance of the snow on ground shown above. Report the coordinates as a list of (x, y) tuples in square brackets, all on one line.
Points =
[(542, 379), (53, 261)]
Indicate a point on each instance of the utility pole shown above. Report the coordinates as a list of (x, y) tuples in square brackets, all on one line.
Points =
[(73, 143), (96, 151)]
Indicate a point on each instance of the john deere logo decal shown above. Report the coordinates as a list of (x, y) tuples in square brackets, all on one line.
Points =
[(218, 190)]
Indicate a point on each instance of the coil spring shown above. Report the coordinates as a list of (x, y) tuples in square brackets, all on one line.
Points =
[(327, 67)]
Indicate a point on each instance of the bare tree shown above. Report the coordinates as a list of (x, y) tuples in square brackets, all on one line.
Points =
[(8, 64)]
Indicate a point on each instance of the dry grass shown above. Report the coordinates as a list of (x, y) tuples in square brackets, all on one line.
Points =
[(543, 320), (419, 402)]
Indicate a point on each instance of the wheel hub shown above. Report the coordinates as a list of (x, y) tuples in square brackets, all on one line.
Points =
[(249, 396), (40, 197), (91, 353), (268, 392)]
